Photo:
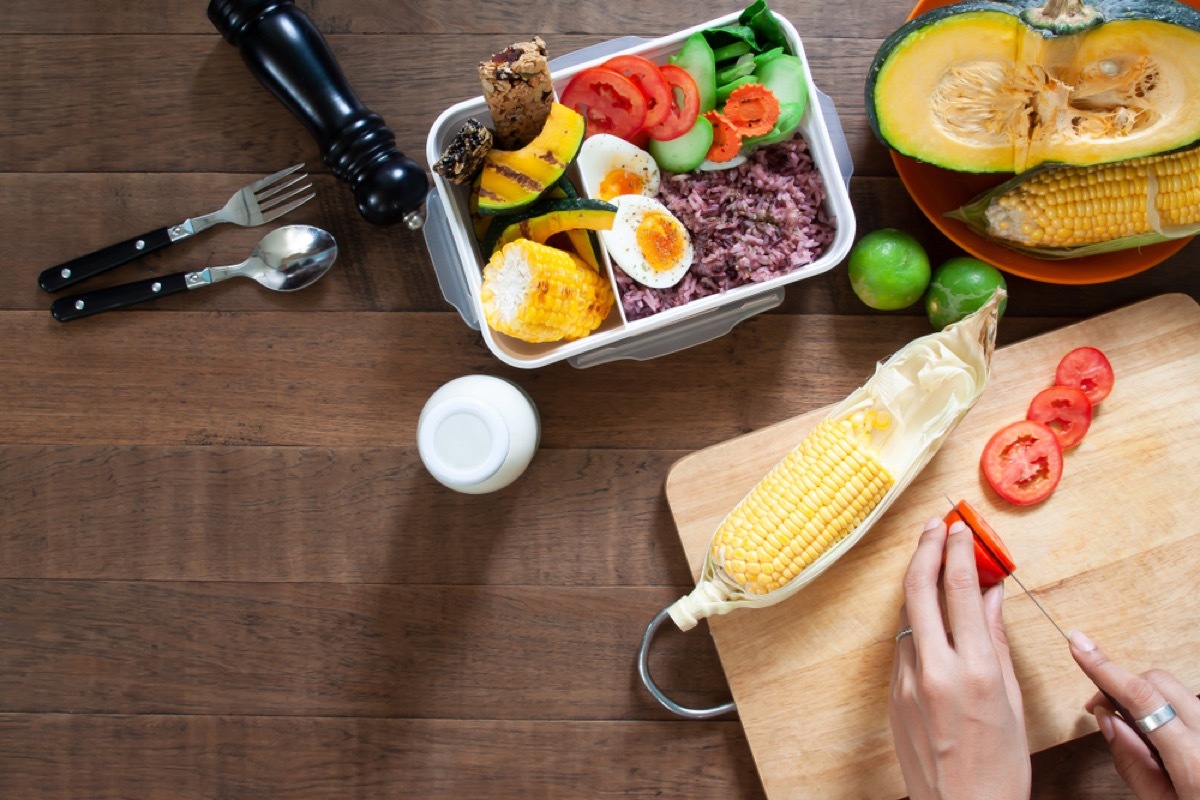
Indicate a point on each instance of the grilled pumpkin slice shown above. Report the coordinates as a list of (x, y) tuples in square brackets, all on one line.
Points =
[(511, 179), (1006, 85)]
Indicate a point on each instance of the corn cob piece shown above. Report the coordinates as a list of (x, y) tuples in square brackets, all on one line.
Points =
[(537, 293), (824, 495), (1068, 212), (812, 499)]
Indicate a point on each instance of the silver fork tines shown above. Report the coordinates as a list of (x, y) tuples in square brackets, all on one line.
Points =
[(259, 202)]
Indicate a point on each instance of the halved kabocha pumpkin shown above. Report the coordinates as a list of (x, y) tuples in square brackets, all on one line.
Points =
[(1006, 85), (511, 179)]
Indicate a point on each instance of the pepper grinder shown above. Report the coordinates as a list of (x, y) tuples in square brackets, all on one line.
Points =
[(288, 55)]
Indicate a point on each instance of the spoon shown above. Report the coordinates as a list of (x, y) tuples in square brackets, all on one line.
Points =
[(287, 259)]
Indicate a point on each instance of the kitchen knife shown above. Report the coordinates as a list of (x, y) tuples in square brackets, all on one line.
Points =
[(1121, 710)]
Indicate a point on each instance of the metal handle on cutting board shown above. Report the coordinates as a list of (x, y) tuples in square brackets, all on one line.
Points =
[(657, 693)]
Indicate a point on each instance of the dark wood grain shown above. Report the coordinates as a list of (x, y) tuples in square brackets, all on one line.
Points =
[(224, 572)]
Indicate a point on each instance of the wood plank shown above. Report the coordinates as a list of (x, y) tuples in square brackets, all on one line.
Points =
[(513, 18), (305, 649), (150, 757), (182, 513), (381, 269), (360, 379), (69, 106), (283, 758)]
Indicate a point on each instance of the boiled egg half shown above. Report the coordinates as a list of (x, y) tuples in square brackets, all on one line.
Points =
[(611, 166), (648, 242)]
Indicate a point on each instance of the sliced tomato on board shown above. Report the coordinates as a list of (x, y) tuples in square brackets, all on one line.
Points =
[(610, 102), (1067, 411), (1023, 462), (1088, 369), (685, 104), (654, 87), (992, 558)]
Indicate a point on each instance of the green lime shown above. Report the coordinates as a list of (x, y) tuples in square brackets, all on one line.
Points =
[(961, 286), (888, 269)]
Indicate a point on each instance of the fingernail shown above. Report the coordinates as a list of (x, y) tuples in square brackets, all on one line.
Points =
[(1104, 720), (932, 524), (957, 527), (1081, 642)]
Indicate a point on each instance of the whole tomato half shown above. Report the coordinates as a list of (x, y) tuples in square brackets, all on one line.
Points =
[(610, 102), (1023, 462)]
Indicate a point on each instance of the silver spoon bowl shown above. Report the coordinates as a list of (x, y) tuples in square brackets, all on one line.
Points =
[(287, 259)]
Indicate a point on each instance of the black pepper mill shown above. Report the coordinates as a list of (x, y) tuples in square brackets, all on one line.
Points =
[(286, 52)]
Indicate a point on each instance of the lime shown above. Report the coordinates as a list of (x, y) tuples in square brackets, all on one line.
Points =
[(888, 269), (960, 286)]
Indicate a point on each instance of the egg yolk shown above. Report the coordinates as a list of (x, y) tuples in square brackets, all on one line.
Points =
[(621, 181), (659, 241)]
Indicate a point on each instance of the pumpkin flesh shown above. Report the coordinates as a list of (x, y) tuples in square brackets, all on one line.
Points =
[(982, 92)]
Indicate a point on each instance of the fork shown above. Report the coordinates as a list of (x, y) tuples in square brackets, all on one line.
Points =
[(257, 203)]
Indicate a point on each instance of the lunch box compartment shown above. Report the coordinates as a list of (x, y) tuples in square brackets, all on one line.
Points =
[(458, 262)]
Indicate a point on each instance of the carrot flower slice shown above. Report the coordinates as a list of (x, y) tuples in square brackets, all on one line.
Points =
[(727, 140), (752, 109)]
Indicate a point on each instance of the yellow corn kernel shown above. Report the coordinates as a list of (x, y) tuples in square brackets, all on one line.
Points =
[(538, 293), (816, 495), (1072, 206)]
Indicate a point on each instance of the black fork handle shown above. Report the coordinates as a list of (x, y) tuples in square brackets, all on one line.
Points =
[(80, 269)]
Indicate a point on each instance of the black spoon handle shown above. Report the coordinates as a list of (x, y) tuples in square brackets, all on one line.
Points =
[(288, 55), (80, 269), (127, 294)]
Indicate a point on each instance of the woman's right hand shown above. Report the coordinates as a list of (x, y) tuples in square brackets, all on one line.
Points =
[(1178, 741)]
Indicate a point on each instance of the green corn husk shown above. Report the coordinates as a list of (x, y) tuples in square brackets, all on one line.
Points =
[(976, 214)]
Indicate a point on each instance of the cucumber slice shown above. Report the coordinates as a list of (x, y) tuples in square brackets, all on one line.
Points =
[(697, 59), (732, 50), (723, 92), (784, 76), (685, 153), (785, 126), (743, 66)]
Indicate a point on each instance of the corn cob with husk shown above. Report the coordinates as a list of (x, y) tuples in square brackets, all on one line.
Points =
[(1069, 212), (825, 494), (538, 293)]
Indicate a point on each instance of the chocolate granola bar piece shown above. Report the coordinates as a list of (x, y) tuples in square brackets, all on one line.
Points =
[(518, 91), (465, 153)]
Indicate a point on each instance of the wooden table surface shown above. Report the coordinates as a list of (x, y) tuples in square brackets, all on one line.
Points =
[(224, 572)]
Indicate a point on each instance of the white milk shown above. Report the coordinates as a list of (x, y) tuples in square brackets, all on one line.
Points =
[(478, 433)]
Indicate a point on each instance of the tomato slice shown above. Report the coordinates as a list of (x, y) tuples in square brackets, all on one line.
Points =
[(651, 83), (610, 102), (1023, 462), (992, 558), (1088, 369), (1067, 411), (685, 104)]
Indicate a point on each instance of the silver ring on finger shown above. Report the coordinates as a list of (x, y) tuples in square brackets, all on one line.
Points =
[(907, 631), (1156, 718)]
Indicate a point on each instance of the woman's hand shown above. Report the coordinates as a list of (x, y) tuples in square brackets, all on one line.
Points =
[(1177, 741), (955, 705)]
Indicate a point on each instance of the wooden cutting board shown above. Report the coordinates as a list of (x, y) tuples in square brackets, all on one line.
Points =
[(1115, 552)]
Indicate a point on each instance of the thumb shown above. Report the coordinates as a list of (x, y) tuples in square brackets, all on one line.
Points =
[(1132, 759)]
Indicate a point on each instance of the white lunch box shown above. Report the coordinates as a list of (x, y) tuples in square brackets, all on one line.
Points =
[(459, 264)]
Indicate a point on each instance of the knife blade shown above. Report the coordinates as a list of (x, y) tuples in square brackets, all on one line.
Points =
[(1121, 710)]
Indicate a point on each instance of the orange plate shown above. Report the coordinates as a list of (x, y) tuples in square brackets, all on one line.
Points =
[(938, 190)]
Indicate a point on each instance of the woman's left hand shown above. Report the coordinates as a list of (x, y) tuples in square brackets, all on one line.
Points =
[(955, 706)]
